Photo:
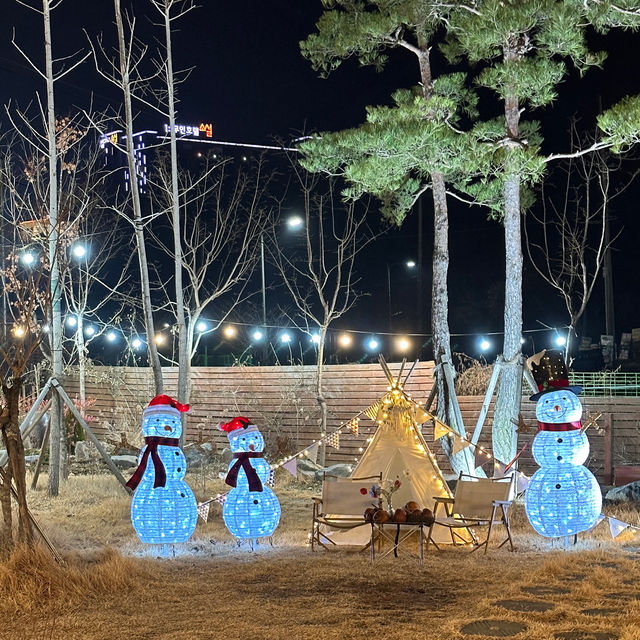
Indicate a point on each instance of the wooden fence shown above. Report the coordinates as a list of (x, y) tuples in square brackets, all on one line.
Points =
[(281, 400)]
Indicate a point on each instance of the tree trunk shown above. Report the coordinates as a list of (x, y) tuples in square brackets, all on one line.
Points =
[(16, 469), (57, 419), (183, 347), (152, 349), (320, 399)]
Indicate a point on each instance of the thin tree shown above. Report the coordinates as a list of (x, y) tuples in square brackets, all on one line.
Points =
[(567, 240), (322, 282)]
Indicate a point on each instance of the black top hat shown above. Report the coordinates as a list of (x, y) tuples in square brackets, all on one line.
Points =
[(550, 373)]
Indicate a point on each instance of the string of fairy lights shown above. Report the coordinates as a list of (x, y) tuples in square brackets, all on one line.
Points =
[(247, 335)]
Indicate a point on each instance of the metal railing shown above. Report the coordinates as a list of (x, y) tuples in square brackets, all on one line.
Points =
[(607, 383)]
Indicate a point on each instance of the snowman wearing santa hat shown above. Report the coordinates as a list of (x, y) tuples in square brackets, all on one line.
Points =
[(251, 509), (163, 509)]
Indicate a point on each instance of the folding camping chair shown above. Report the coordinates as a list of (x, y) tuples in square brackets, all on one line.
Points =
[(477, 502), (341, 506)]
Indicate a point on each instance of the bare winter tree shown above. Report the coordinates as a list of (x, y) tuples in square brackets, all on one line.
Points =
[(226, 210), (567, 241), (126, 73), (322, 283)]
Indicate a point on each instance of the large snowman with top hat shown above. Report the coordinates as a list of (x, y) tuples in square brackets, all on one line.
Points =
[(251, 509), (163, 509), (563, 497)]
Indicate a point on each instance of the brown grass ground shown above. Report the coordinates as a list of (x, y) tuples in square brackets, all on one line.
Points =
[(112, 587)]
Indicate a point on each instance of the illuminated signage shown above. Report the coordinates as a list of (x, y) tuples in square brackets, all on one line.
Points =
[(192, 130)]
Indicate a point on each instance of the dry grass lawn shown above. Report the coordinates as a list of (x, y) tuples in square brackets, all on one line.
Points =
[(111, 586)]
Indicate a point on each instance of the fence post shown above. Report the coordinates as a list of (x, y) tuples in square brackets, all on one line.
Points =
[(608, 449)]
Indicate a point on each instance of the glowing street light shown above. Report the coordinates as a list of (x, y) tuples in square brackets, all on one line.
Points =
[(159, 339), (72, 321), (344, 340), (403, 344), (90, 331), (285, 338), (19, 331), (485, 345), (294, 222), (315, 338), (411, 264), (257, 335), (136, 343), (561, 341), (111, 336), (230, 331), (373, 344), (201, 326), (79, 251), (27, 258)]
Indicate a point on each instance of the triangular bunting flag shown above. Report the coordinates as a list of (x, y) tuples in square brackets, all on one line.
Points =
[(272, 477), (480, 458), (459, 444), (291, 466), (439, 429), (203, 511), (617, 527), (499, 469), (312, 452), (334, 440), (522, 482), (372, 411), (221, 499), (353, 426), (421, 416)]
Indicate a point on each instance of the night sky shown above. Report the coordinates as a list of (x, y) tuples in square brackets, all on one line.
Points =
[(251, 82)]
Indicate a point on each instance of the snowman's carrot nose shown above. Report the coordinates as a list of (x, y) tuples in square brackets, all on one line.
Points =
[(557, 407)]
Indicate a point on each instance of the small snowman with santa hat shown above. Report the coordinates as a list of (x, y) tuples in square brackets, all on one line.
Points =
[(563, 497), (163, 509), (251, 509)]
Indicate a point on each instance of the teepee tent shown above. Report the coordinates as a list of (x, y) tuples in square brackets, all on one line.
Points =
[(398, 449)]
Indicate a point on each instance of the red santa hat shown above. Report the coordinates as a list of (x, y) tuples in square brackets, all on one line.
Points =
[(238, 425), (166, 404)]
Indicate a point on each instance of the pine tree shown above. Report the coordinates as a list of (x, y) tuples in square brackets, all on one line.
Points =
[(526, 45), (402, 150)]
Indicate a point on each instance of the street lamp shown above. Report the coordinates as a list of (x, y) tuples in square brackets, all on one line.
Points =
[(27, 258), (410, 264), (79, 251), (295, 222)]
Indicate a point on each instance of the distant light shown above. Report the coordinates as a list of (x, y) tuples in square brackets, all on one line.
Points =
[(294, 222), (485, 345), (72, 321), (373, 344), (46, 328), (522, 340), (244, 158), (19, 331), (411, 264), (90, 331), (166, 325), (111, 336), (344, 340), (199, 154), (159, 339), (257, 335), (561, 341), (315, 338), (201, 326), (403, 344), (136, 343), (230, 331), (27, 258), (79, 251), (285, 337)]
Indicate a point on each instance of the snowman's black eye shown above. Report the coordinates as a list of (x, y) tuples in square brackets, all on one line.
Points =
[(564, 397), (559, 440), (243, 439), (558, 486)]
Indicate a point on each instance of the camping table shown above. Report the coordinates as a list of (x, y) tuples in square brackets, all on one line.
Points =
[(378, 532)]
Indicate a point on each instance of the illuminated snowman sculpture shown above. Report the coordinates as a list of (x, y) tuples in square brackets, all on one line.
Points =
[(163, 509), (563, 497), (251, 509)]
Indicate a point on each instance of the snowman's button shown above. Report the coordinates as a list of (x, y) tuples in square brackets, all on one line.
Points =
[(558, 486), (182, 495), (255, 502), (559, 440), (179, 469), (559, 457), (177, 453)]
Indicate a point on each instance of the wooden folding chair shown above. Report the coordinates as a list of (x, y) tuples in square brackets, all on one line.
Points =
[(477, 502), (341, 506)]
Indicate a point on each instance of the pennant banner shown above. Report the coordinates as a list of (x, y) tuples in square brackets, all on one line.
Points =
[(333, 440), (272, 477), (421, 416), (459, 443), (372, 411), (203, 511), (291, 466), (312, 452), (221, 499), (522, 482), (617, 527), (354, 426), (440, 429)]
